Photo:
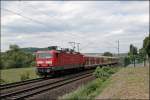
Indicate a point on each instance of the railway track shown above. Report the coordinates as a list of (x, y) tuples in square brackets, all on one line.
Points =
[(46, 86), (12, 85)]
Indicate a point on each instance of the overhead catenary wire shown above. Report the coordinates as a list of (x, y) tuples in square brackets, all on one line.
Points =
[(33, 20), (43, 13), (28, 18), (39, 22)]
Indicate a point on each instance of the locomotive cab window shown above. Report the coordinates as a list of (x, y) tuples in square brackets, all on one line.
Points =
[(44, 55)]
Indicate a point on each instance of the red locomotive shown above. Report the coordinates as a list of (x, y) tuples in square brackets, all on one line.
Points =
[(52, 61)]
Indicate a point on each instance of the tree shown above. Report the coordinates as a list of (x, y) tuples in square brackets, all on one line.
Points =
[(107, 54), (16, 58), (2, 60), (142, 55), (146, 46), (133, 50), (133, 53), (14, 47), (126, 61)]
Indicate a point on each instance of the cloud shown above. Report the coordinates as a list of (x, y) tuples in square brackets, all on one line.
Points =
[(97, 25)]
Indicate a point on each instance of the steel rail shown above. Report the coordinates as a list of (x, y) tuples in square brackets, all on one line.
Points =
[(15, 84), (21, 94)]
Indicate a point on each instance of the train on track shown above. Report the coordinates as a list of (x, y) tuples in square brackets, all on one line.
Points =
[(52, 61)]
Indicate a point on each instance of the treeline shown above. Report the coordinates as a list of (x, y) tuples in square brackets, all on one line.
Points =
[(16, 58), (32, 49), (138, 56)]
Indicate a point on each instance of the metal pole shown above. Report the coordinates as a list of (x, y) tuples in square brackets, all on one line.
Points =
[(148, 54), (73, 44), (78, 46), (118, 48)]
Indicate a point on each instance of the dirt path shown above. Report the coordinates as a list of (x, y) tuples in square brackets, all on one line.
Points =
[(128, 83)]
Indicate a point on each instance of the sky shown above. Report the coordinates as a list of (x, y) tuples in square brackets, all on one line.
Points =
[(96, 25)]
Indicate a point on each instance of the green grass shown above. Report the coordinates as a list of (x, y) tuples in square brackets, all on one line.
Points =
[(128, 83), (14, 75), (87, 92), (91, 90)]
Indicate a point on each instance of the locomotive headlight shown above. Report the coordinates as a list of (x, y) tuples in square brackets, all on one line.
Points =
[(48, 62), (39, 62)]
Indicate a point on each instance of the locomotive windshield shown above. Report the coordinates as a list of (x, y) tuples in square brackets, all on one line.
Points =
[(44, 55)]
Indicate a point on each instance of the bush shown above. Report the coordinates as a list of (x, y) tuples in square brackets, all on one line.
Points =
[(93, 86), (127, 61), (101, 73), (112, 70), (25, 76), (86, 92), (104, 72)]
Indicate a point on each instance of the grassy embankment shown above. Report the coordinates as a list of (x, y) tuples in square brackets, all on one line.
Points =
[(93, 88), (128, 83), (15, 74)]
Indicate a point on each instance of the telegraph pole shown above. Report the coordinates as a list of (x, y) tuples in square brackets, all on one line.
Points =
[(148, 54), (118, 48)]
